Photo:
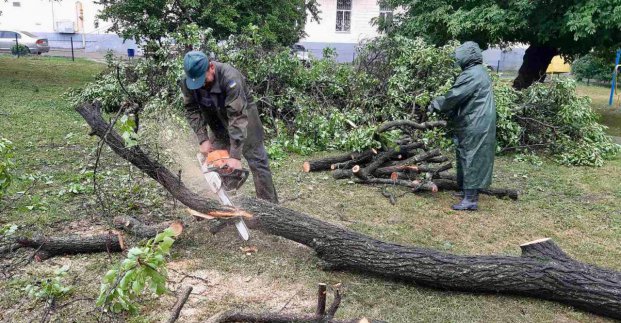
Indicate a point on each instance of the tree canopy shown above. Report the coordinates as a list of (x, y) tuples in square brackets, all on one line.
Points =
[(566, 27), (280, 21)]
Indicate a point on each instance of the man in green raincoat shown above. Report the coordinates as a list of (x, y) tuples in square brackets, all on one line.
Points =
[(472, 112)]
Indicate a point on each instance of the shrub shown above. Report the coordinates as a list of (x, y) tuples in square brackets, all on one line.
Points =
[(325, 105), (590, 67), (20, 49)]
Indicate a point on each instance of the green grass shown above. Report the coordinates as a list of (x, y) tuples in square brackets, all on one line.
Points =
[(610, 115), (577, 207)]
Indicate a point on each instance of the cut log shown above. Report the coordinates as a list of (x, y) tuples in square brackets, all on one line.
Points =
[(447, 184), (410, 124), (420, 157), (48, 247), (141, 230), (371, 152), (437, 159), (366, 172), (363, 159), (387, 171), (324, 163), (411, 169), (342, 173), (570, 282)]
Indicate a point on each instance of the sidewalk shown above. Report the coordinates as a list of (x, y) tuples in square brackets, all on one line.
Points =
[(79, 53)]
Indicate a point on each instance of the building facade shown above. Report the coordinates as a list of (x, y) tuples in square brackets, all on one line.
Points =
[(343, 24)]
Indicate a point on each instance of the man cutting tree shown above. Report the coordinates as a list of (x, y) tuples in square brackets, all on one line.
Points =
[(220, 109)]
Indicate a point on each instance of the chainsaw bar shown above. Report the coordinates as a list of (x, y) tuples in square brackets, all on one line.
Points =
[(214, 182)]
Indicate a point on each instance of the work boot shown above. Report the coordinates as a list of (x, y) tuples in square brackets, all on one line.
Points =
[(469, 203)]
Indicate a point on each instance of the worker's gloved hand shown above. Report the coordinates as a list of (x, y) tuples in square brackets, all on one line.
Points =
[(205, 148), (233, 163)]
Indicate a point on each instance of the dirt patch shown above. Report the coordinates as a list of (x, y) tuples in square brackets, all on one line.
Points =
[(236, 290)]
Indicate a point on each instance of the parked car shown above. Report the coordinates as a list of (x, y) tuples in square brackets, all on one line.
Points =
[(300, 52), (35, 44)]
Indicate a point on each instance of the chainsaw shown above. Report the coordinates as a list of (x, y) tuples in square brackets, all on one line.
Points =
[(222, 179)]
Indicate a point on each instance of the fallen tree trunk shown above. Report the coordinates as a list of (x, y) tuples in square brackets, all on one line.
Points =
[(539, 273), (47, 247)]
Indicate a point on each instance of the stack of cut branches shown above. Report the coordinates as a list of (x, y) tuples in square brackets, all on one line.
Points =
[(407, 163)]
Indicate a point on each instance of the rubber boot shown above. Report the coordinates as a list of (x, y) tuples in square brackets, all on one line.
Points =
[(459, 194), (469, 203)]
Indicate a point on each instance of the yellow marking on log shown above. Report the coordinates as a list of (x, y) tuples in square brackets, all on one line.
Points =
[(199, 214), (230, 214)]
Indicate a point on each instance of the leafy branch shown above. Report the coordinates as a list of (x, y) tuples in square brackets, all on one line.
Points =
[(144, 268)]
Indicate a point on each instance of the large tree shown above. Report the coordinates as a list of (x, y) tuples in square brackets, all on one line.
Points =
[(280, 21), (549, 27)]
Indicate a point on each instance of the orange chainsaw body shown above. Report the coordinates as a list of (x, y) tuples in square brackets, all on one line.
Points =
[(232, 179), (217, 158)]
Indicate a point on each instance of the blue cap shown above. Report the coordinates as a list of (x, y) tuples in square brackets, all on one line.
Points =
[(195, 64)]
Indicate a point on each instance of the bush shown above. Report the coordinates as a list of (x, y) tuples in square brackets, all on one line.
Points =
[(590, 67), (20, 49), (325, 105), (555, 116)]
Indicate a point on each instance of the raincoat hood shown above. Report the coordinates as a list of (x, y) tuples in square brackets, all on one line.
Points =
[(468, 55)]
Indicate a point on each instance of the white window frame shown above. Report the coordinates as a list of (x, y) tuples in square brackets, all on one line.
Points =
[(341, 12), (386, 11)]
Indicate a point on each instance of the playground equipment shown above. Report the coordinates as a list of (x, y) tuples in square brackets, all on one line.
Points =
[(613, 87)]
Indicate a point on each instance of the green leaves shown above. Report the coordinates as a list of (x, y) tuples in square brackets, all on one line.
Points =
[(6, 165), (565, 122), (50, 288), (592, 67), (127, 129), (144, 267), (573, 27)]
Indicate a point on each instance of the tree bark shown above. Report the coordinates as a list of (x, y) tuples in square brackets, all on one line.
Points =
[(533, 69), (48, 247), (547, 276), (342, 173)]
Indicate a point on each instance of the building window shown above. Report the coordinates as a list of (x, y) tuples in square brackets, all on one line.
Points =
[(385, 12), (16, 4), (343, 15)]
